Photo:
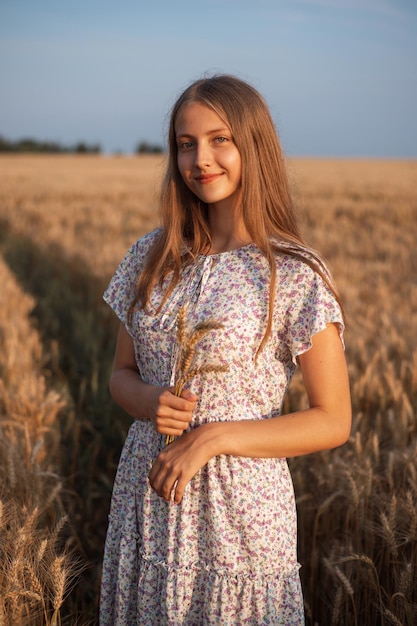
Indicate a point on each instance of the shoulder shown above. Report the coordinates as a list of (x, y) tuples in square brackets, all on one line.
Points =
[(305, 298), (294, 259), (145, 243), (136, 255), (304, 282), (122, 287)]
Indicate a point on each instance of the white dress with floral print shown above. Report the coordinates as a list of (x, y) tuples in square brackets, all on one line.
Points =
[(227, 554)]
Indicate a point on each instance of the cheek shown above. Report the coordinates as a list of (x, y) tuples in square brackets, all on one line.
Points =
[(180, 166), (235, 165), (183, 166), (184, 173)]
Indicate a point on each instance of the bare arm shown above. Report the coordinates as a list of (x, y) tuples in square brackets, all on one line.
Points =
[(169, 414), (325, 424)]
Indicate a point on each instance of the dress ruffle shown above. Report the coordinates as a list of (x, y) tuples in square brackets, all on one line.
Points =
[(198, 595)]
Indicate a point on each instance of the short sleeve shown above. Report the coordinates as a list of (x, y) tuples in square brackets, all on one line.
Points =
[(309, 306), (122, 287)]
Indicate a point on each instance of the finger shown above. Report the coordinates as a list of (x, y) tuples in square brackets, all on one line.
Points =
[(174, 420), (189, 395), (179, 488), (168, 426), (170, 419), (185, 402), (162, 481), (173, 431), (178, 416)]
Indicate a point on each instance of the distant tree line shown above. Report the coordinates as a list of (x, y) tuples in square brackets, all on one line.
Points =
[(28, 144), (148, 148)]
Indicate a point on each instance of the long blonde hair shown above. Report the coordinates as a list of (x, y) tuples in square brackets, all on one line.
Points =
[(267, 207)]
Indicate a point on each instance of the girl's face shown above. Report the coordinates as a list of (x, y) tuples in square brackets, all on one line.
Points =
[(208, 160)]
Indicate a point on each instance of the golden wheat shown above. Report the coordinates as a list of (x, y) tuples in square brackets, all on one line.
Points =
[(186, 343), (30, 489), (65, 223)]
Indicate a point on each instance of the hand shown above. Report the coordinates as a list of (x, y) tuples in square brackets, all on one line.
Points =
[(179, 462), (171, 415)]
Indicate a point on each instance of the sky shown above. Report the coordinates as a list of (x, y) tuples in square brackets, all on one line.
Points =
[(339, 76)]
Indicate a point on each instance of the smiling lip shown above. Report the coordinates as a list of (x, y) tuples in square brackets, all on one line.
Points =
[(207, 178)]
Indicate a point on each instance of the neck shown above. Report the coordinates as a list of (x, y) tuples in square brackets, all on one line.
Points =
[(228, 230)]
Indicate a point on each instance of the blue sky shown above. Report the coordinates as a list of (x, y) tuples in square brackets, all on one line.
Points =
[(340, 76)]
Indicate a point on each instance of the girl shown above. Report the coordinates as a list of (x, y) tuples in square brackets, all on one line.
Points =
[(203, 531)]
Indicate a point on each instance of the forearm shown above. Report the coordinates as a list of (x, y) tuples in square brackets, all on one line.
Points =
[(130, 392), (169, 414), (326, 424), (289, 435)]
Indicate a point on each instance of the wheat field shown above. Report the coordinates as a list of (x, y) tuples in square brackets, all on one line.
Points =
[(65, 222)]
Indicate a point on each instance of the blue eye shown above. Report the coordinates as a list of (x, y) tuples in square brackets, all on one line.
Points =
[(185, 145), (221, 139)]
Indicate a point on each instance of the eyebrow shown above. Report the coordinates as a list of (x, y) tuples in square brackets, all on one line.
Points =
[(211, 132)]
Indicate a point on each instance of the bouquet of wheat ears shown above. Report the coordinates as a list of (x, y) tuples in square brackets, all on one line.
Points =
[(187, 342)]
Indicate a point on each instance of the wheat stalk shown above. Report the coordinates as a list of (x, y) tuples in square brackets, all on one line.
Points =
[(336, 606), (41, 550), (392, 618), (187, 344), (58, 578), (346, 584)]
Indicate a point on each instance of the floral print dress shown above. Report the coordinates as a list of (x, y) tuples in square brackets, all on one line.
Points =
[(227, 554)]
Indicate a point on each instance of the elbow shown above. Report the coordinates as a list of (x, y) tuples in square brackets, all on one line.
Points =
[(111, 385), (114, 385), (334, 427), (342, 428), (341, 438)]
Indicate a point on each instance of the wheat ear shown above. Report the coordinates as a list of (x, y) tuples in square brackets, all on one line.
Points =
[(187, 344)]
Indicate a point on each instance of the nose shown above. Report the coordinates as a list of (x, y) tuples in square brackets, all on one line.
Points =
[(203, 155)]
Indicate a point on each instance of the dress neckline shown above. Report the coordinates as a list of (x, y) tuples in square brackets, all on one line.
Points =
[(227, 252)]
